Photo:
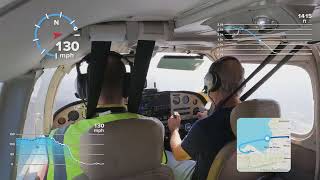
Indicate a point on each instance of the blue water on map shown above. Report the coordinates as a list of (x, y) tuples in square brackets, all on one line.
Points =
[(254, 132)]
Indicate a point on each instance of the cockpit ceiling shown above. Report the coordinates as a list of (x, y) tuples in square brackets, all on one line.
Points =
[(193, 21), (17, 52)]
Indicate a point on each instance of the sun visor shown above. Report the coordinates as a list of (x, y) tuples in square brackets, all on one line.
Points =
[(108, 32), (131, 31)]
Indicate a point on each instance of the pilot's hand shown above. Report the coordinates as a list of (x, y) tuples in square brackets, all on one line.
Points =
[(174, 122), (202, 115)]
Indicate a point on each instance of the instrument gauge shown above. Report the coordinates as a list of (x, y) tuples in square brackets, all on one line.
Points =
[(61, 120), (176, 100), (195, 102), (185, 99), (52, 27), (73, 115)]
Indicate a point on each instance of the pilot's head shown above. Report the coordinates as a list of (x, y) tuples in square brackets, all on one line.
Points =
[(224, 76), (112, 87)]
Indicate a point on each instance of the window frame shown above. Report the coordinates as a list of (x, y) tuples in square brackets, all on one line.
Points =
[(308, 67), (54, 84)]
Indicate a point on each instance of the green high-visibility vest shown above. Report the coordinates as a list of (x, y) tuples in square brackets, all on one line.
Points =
[(65, 166)]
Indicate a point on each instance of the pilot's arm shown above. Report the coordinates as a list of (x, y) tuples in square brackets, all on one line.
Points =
[(192, 144), (175, 140)]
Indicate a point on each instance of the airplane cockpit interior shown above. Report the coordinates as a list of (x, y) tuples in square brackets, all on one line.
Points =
[(160, 90)]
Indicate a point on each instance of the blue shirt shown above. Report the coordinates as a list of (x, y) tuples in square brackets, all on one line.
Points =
[(206, 138)]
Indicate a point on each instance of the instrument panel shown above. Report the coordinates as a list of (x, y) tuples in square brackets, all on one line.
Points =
[(69, 114), (156, 104), (188, 104), (162, 104)]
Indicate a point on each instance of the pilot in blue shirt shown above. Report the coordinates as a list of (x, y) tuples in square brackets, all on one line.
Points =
[(191, 158)]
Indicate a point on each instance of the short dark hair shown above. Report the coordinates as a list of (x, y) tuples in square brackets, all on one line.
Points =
[(113, 76), (230, 72)]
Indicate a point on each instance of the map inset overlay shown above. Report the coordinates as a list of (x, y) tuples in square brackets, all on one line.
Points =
[(263, 145)]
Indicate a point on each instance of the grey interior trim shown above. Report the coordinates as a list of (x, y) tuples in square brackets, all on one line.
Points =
[(212, 11), (131, 31), (317, 110), (13, 107), (316, 23), (26, 57), (11, 6)]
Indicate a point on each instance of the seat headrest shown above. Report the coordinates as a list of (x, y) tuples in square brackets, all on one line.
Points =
[(131, 146), (255, 108)]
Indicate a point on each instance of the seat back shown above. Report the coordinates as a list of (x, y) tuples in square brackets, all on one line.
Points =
[(129, 149), (224, 165), (303, 163)]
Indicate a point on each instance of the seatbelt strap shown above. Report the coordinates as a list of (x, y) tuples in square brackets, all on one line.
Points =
[(57, 166), (140, 70), (96, 67), (266, 61), (271, 72)]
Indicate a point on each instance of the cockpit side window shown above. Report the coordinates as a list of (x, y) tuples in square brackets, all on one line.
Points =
[(33, 126), (291, 87), (34, 119), (66, 91), (67, 88)]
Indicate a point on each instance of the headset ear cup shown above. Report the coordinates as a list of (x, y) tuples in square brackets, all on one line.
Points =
[(78, 87), (82, 86), (216, 82), (126, 85), (85, 86)]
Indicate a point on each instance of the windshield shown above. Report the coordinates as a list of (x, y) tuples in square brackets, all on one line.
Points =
[(300, 112), (173, 74)]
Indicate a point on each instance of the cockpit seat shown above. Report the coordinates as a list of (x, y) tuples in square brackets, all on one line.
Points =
[(224, 165), (132, 149)]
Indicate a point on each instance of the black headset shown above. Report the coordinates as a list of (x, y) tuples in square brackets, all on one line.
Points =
[(82, 79), (212, 80)]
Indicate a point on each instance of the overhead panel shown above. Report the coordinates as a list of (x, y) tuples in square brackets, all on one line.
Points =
[(131, 31)]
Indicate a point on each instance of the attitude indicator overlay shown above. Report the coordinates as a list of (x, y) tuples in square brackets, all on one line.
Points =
[(48, 33)]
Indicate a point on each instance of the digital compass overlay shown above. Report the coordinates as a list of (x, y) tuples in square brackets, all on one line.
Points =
[(53, 25)]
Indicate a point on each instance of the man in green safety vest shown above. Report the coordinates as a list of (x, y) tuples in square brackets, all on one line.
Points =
[(64, 151)]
